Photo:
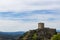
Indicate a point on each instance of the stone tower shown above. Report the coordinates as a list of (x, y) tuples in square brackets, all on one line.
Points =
[(40, 25)]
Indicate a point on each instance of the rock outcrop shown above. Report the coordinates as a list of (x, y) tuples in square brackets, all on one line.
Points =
[(39, 34)]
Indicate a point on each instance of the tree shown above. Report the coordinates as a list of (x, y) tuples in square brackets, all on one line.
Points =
[(56, 37), (34, 37)]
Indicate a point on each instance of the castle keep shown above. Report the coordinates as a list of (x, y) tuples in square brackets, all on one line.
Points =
[(40, 25)]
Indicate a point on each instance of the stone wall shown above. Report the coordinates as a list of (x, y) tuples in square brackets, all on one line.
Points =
[(46, 33)]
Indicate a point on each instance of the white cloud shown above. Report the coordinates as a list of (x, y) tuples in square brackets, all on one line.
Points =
[(24, 5), (53, 24), (12, 26), (20, 25), (11, 5), (42, 16)]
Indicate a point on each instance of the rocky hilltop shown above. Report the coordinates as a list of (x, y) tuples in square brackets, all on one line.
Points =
[(39, 34)]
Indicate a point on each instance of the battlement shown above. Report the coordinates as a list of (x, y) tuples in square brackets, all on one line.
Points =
[(40, 25)]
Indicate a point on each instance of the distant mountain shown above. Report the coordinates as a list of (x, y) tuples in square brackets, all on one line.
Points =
[(11, 34), (58, 30)]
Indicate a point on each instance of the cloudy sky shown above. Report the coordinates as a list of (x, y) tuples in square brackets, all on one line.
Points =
[(24, 15)]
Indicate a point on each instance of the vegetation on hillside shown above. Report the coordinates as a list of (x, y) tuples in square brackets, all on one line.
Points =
[(32, 35), (56, 37)]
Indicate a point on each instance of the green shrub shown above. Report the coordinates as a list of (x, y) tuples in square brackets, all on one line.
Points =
[(56, 37), (34, 37)]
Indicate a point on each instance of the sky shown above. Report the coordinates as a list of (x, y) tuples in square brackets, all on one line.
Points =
[(24, 15)]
